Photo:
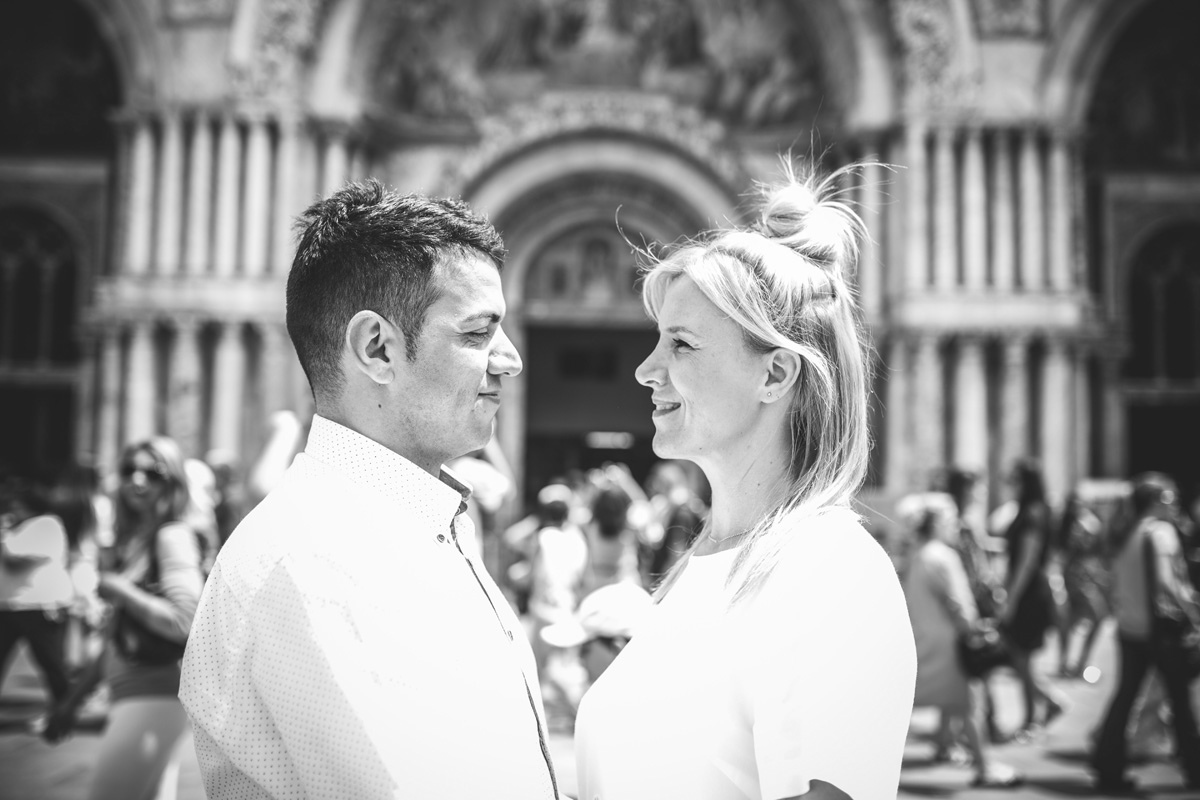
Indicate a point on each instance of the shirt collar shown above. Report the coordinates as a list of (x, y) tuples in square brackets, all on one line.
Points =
[(371, 465)]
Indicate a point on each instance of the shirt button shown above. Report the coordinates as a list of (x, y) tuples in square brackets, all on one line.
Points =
[(442, 537), (510, 636)]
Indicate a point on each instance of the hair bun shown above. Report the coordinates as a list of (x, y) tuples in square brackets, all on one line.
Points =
[(803, 213)]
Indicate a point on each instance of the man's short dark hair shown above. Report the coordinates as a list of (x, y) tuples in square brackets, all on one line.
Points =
[(364, 248)]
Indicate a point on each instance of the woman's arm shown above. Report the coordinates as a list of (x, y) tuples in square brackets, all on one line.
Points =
[(180, 580)]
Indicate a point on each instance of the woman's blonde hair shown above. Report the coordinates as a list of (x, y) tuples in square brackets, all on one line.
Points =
[(174, 503), (784, 280)]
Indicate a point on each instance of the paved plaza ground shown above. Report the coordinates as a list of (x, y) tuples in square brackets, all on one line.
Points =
[(1054, 764)]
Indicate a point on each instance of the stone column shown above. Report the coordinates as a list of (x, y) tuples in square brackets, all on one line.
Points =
[(199, 222), (140, 383), (289, 201), (974, 205), (85, 393), (1032, 274), (1014, 403), (108, 423), (1083, 416), (1113, 457), (970, 393), (1057, 406), (185, 388), (358, 162), (917, 234), (897, 418), (141, 198), (929, 410), (1003, 222), (870, 274), (256, 221), (170, 195), (945, 263), (228, 207), (274, 374), (229, 375), (336, 160), (1060, 215)]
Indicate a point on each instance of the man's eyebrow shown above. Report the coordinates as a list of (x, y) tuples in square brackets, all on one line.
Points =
[(489, 316)]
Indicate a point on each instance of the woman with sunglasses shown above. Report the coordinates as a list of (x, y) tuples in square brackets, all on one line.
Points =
[(152, 583), (783, 629)]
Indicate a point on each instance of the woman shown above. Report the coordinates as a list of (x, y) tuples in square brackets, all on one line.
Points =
[(1155, 606), (1028, 609), (153, 587), (1085, 578), (943, 609), (783, 628)]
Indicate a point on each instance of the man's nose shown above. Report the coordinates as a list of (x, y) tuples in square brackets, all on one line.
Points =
[(504, 359)]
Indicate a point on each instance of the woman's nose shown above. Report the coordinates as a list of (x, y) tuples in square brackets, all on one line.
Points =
[(649, 372)]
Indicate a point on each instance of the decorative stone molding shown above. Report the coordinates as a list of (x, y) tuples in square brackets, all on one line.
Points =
[(183, 12), (284, 36), (646, 117), (1010, 18), (925, 32)]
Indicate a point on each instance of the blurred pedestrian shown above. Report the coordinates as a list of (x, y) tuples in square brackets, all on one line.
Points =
[(1156, 608), (558, 566), (1027, 612), (758, 674), (678, 517), (35, 587), (975, 548), (598, 631), (1085, 579), (943, 610), (153, 586), (347, 644), (612, 542)]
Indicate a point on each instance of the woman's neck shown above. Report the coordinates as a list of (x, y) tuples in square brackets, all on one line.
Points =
[(745, 491)]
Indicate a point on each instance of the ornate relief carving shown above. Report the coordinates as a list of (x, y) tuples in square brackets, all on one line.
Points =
[(648, 117), (284, 39), (184, 11), (750, 64), (998, 18), (925, 31)]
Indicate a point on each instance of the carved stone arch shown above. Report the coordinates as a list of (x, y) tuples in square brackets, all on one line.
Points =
[(940, 60), (1076, 57), (134, 40), (855, 45)]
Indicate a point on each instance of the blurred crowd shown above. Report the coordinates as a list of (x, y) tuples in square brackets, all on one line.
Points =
[(987, 591), (85, 552)]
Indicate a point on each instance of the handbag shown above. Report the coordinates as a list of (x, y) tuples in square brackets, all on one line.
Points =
[(982, 649), (132, 638)]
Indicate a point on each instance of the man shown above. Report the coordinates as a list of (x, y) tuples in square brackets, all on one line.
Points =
[(346, 644)]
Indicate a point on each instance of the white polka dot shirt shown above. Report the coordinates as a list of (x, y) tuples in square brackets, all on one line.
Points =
[(345, 647)]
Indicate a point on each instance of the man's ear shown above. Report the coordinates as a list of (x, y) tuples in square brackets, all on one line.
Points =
[(783, 372), (373, 344)]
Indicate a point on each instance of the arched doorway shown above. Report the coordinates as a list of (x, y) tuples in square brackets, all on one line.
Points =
[(58, 87), (575, 312), (1162, 369)]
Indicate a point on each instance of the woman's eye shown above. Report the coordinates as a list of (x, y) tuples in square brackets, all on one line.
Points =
[(679, 344)]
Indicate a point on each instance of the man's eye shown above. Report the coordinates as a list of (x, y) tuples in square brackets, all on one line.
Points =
[(479, 336)]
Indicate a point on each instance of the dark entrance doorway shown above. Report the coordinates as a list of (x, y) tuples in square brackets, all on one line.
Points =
[(585, 408)]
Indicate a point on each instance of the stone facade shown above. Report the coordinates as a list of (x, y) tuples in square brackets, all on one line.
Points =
[(993, 281)]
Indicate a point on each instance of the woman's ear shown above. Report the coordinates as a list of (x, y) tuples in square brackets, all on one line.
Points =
[(372, 345), (783, 372)]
